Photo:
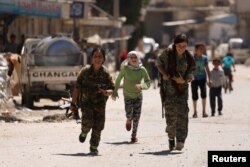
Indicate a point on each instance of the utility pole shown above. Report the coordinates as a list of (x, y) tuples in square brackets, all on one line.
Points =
[(77, 12), (76, 33), (121, 30), (116, 14), (116, 9), (235, 9)]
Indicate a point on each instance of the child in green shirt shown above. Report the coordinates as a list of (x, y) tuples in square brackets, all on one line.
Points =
[(132, 72)]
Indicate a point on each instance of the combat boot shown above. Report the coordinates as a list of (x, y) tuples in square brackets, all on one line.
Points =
[(93, 150), (179, 146), (82, 137), (171, 144)]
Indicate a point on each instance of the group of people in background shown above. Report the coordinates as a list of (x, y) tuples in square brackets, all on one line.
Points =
[(11, 45), (215, 79)]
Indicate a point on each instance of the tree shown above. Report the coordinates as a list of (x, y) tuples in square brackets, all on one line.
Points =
[(131, 9), (128, 8)]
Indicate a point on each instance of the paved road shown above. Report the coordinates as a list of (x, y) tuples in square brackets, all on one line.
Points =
[(56, 144)]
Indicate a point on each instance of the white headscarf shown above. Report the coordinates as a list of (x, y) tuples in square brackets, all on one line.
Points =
[(139, 63)]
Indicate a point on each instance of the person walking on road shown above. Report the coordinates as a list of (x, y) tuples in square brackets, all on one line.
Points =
[(201, 74), (176, 66), (93, 86), (152, 64), (12, 46), (132, 72), (217, 80), (227, 65)]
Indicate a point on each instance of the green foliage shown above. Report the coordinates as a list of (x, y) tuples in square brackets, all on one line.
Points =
[(131, 10), (136, 36), (128, 8), (106, 5), (145, 3)]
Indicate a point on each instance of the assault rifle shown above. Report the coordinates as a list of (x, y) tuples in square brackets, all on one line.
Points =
[(98, 88), (73, 114), (163, 95), (102, 86), (95, 87), (178, 87)]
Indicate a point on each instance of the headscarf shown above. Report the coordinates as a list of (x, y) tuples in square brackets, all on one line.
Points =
[(133, 67)]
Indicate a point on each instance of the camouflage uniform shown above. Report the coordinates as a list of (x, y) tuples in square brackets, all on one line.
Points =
[(175, 103), (92, 103)]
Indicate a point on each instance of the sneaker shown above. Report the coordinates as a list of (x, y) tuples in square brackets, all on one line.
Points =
[(179, 146), (82, 137), (195, 115), (171, 144), (204, 115), (93, 150), (134, 140), (128, 125)]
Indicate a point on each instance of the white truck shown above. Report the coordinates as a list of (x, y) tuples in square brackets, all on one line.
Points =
[(240, 49), (49, 68)]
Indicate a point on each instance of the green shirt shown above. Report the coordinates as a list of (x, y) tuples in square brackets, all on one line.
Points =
[(131, 77)]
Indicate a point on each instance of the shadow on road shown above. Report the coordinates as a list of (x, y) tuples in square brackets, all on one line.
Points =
[(119, 143), (163, 152), (48, 107), (79, 154)]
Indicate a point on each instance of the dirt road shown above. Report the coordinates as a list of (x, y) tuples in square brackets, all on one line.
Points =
[(56, 144)]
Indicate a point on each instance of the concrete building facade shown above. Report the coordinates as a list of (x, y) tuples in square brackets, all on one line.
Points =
[(204, 26), (33, 24)]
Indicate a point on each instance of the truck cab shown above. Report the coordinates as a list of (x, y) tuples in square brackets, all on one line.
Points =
[(49, 68)]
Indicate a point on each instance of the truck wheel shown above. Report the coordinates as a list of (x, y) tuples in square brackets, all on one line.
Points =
[(23, 99), (30, 102), (27, 100)]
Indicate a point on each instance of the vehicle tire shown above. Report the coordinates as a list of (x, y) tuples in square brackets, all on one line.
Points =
[(27, 100), (23, 99)]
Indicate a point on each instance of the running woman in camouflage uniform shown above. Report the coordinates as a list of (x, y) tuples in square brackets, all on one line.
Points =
[(94, 85), (132, 73), (176, 66)]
